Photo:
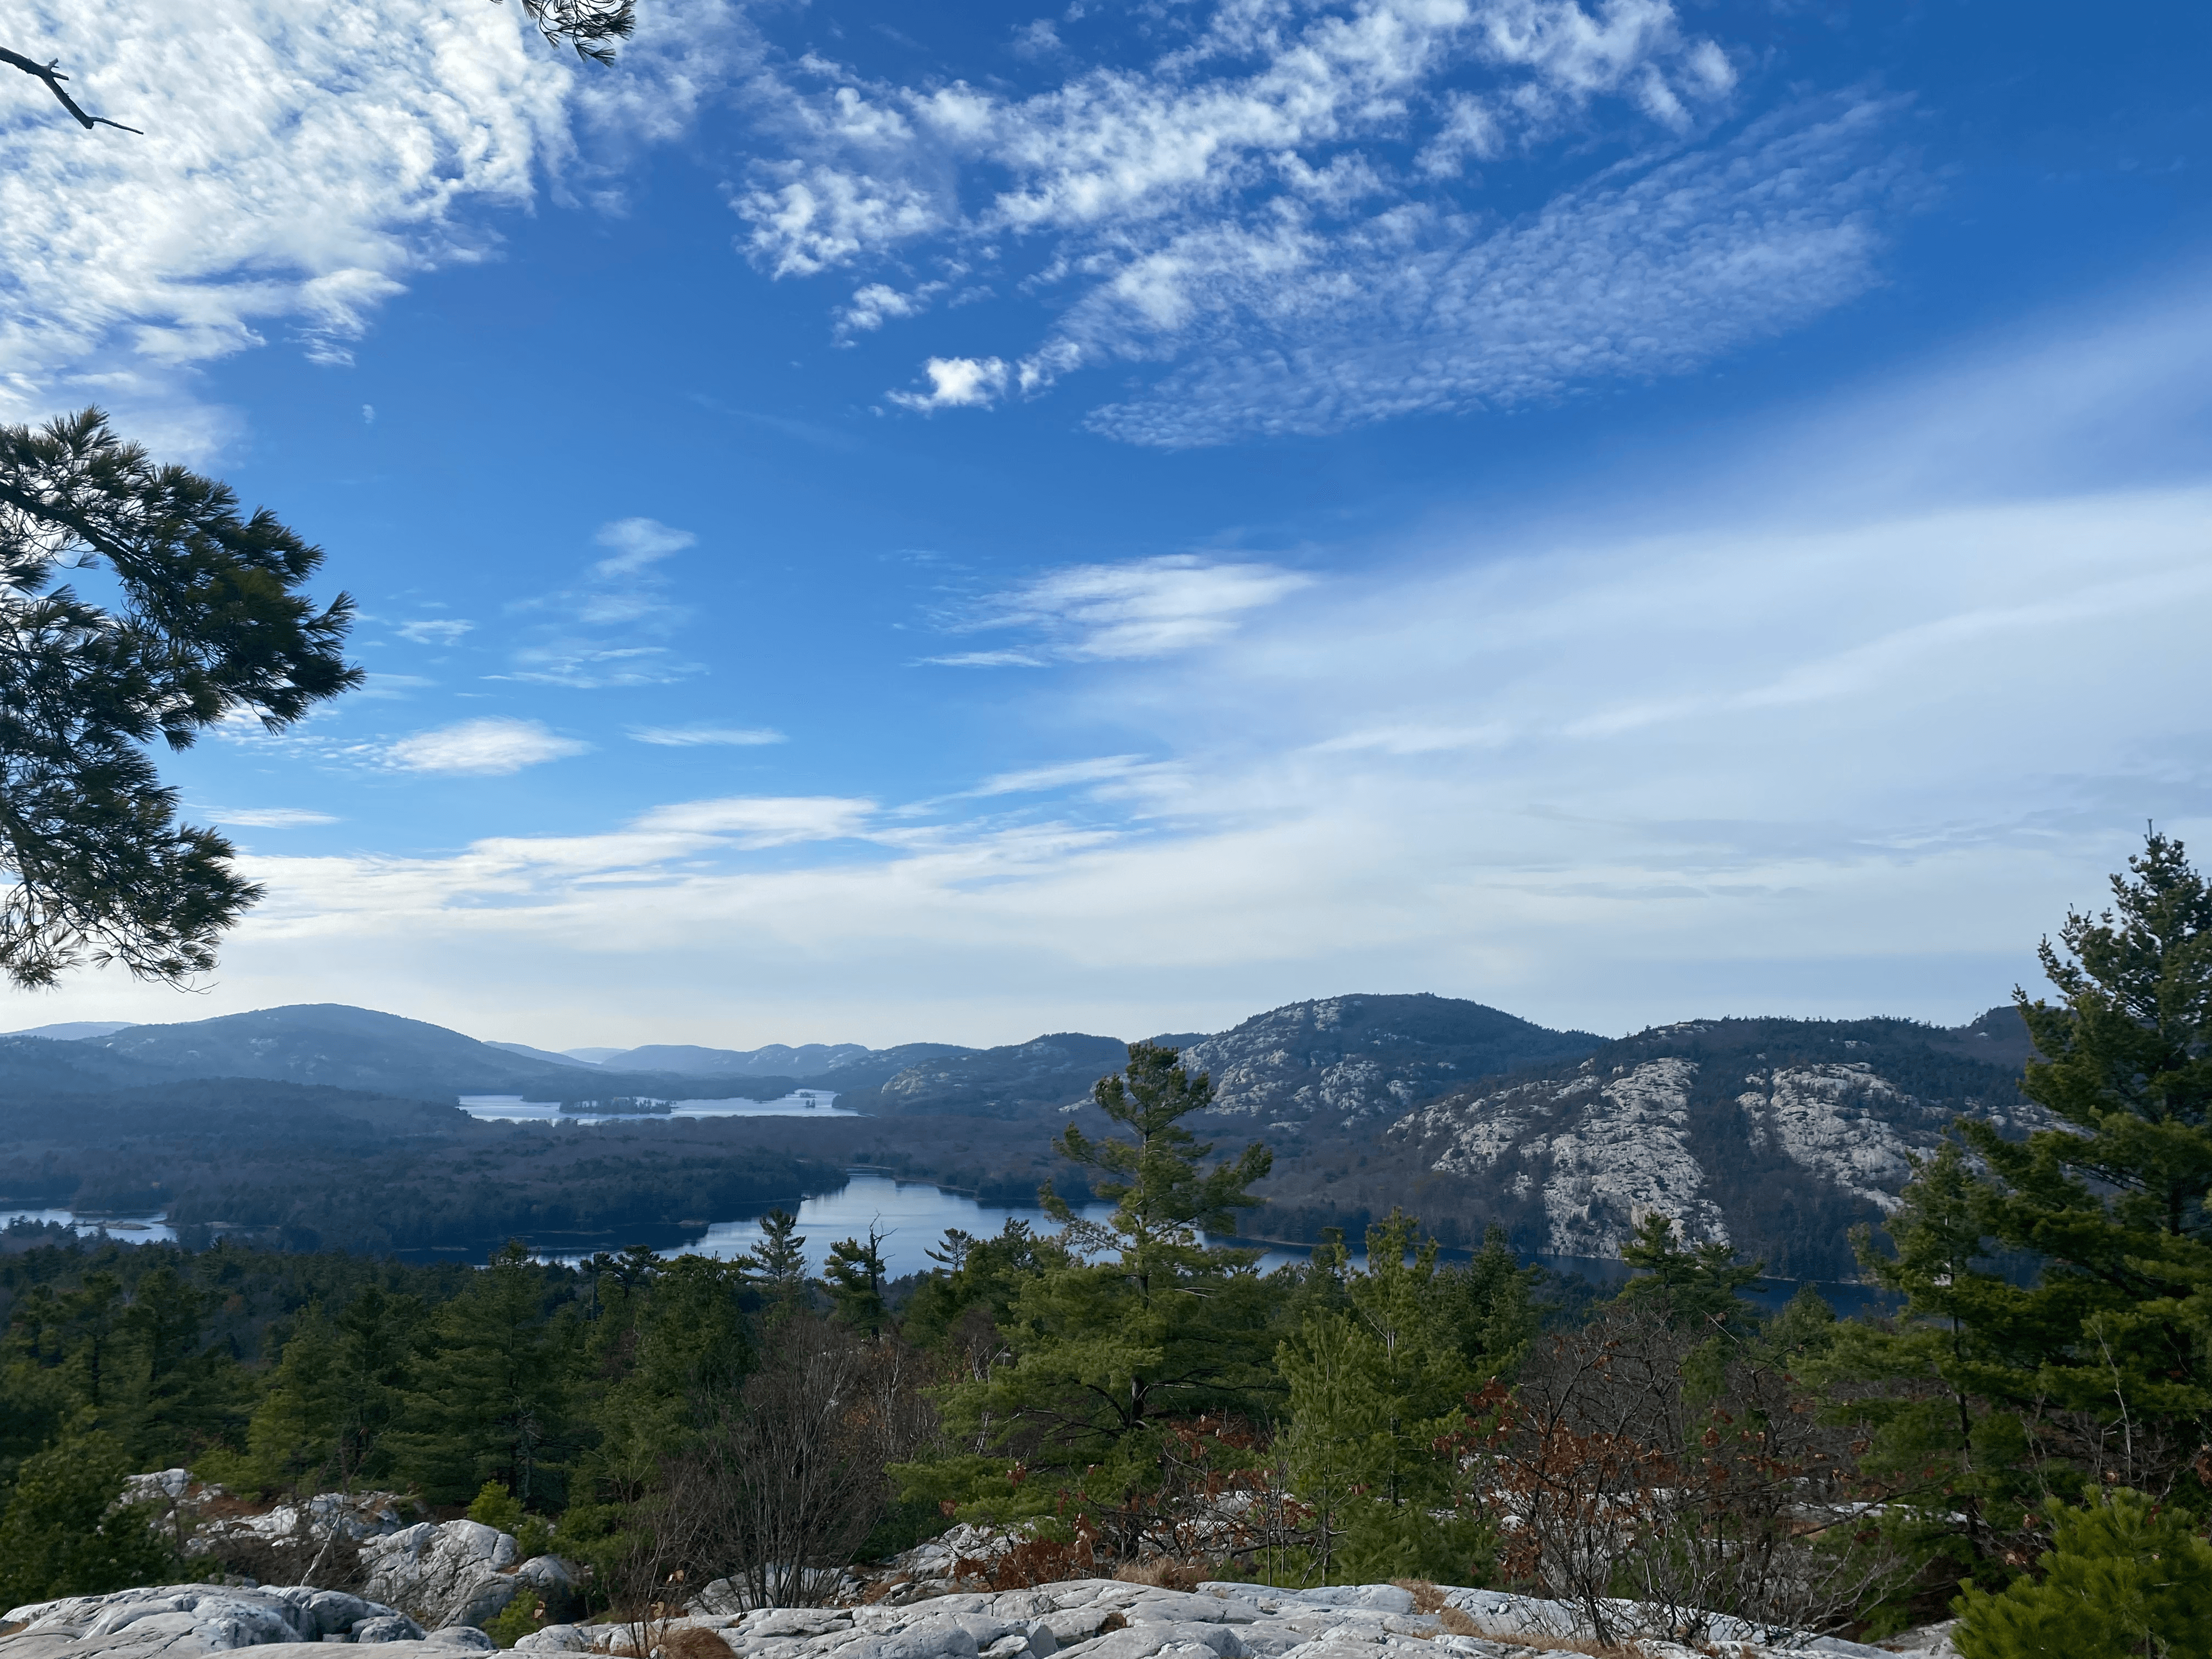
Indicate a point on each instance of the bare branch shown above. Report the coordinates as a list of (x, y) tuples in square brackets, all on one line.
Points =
[(51, 74)]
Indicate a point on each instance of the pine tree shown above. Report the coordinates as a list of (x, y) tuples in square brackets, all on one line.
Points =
[(2123, 1578), (854, 1274), (65, 1531), (493, 1395), (778, 1263), (1110, 1357), (1374, 1387), (214, 622), (2054, 1333)]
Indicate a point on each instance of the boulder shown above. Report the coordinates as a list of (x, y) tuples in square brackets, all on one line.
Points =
[(449, 1575), (178, 1621)]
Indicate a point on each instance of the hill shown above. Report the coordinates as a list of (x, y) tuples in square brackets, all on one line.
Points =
[(1342, 1061), (1035, 1080), (775, 1060), (347, 1048), (1775, 1135)]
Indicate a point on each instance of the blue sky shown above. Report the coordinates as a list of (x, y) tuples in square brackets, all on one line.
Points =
[(883, 523)]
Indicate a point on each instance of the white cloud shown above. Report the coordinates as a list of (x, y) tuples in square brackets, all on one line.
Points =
[(437, 630), (1106, 612), (263, 817), (299, 164), (490, 747), (1276, 199), (957, 383), (694, 737), (1836, 723), (638, 543), (1040, 778), (875, 303)]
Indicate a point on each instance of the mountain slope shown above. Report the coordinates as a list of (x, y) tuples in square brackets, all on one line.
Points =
[(775, 1060), (1033, 1079), (348, 1048), (1777, 1136), (1341, 1062)]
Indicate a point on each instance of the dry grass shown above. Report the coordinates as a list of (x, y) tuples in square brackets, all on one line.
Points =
[(1162, 1572), (692, 1644), (1427, 1598)]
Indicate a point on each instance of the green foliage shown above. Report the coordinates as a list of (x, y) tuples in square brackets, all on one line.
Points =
[(1106, 1359), (1697, 1288), (854, 1274), (1374, 1386), (518, 1619), (496, 1507), (2058, 1291), (214, 622), (66, 1532), (778, 1263), (2123, 1578), (493, 1390), (669, 1336)]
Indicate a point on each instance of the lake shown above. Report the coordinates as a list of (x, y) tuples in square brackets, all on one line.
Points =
[(514, 1108), (912, 1217)]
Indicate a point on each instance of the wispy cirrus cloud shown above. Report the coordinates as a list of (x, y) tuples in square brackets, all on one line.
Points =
[(1274, 214), (1119, 612), (699, 737), (434, 630), (608, 628), (263, 817)]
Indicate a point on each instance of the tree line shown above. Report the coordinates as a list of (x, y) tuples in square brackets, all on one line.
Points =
[(2035, 1412)]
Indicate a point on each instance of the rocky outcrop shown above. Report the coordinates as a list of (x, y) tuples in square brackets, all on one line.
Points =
[(1343, 1060), (461, 1572), (1107, 1618), (1774, 1136), (178, 1621), (215, 1519)]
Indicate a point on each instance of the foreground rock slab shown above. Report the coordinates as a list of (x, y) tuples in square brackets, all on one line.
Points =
[(176, 1621), (1107, 1618)]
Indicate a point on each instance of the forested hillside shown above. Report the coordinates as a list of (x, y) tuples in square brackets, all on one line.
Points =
[(1133, 1394)]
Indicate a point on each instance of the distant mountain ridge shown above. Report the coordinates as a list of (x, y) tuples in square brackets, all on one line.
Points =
[(1777, 1136), (337, 1046), (1340, 1061)]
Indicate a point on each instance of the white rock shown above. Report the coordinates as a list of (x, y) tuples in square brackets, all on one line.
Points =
[(446, 1575)]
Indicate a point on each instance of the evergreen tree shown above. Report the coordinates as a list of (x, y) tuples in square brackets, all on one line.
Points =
[(214, 622), (2054, 1332), (1108, 1355), (2124, 1579), (66, 1532), (664, 1349), (854, 1274), (493, 1390), (1698, 1288), (778, 1263), (1373, 1388)]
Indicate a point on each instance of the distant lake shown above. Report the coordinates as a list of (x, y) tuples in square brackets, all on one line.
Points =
[(125, 1229), (514, 1108), (912, 1216)]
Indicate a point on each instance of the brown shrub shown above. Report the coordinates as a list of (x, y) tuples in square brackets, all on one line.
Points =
[(691, 1643), (1456, 1622), (1427, 1598)]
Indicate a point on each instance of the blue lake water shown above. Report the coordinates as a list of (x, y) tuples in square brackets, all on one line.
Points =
[(912, 1217)]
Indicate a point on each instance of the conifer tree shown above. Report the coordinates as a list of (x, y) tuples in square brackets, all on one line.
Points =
[(778, 1263), (1374, 1387), (854, 1274), (494, 1390), (2054, 1337), (1109, 1354), (214, 622)]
